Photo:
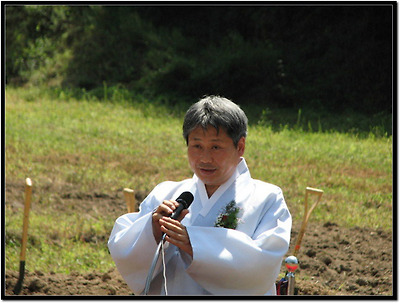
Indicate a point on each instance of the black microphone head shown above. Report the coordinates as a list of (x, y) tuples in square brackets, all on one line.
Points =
[(186, 198)]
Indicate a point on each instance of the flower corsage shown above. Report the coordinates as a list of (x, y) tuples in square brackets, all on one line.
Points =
[(228, 218)]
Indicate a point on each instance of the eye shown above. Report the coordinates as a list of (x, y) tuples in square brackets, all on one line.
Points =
[(216, 147)]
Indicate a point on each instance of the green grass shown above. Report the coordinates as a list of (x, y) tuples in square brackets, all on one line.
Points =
[(89, 146)]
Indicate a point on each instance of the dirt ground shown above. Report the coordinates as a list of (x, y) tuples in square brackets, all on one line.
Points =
[(334, 261)]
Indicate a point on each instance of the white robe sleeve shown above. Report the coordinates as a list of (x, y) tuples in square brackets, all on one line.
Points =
[(227, 261), (132, 244), (127, 243)]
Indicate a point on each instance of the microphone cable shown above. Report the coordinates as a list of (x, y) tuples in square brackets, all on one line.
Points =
[(160, 250), (164, 268)]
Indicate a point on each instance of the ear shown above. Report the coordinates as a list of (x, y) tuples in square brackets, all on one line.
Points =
[(241, 146)]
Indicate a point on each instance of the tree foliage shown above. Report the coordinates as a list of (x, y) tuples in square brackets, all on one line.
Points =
[(327, 57)]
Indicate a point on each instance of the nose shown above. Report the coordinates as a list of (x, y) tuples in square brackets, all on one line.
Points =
[(206, 156)]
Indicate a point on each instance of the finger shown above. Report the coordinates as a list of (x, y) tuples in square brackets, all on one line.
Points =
[(174, 202), (177, 241), (183, 214), (175, 237), (170, 204), (180, 239), (165, 209), (174, 229), (171, 224)]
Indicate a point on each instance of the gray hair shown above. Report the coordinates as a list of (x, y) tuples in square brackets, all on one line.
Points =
[(218, 112)]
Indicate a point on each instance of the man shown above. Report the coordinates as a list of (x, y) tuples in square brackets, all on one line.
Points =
[(233, 237)]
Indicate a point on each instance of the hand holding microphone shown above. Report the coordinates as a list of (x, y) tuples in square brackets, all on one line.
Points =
[(166, 222), (166, 226)]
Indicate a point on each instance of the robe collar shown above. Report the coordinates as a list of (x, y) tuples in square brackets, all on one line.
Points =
[(208, 203)]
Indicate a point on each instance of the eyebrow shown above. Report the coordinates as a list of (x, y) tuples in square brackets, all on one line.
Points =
[(199, 139)]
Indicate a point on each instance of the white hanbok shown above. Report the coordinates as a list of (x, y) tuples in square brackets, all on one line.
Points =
[(244, 261)]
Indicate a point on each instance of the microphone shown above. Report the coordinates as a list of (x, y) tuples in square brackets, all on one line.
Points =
[(184, 200)]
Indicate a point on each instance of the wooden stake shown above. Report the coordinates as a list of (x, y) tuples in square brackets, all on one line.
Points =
[(28, 195), (307, 214), (129, 195)]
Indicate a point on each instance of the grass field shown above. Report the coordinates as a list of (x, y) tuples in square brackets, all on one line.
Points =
[(90, 145)]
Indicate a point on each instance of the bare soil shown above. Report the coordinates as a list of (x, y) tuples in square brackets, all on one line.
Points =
[(334, 260)]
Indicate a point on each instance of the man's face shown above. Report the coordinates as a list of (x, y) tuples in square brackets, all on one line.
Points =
[(212, 156)]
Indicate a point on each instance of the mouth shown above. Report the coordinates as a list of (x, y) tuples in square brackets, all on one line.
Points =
[(207, 171)]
